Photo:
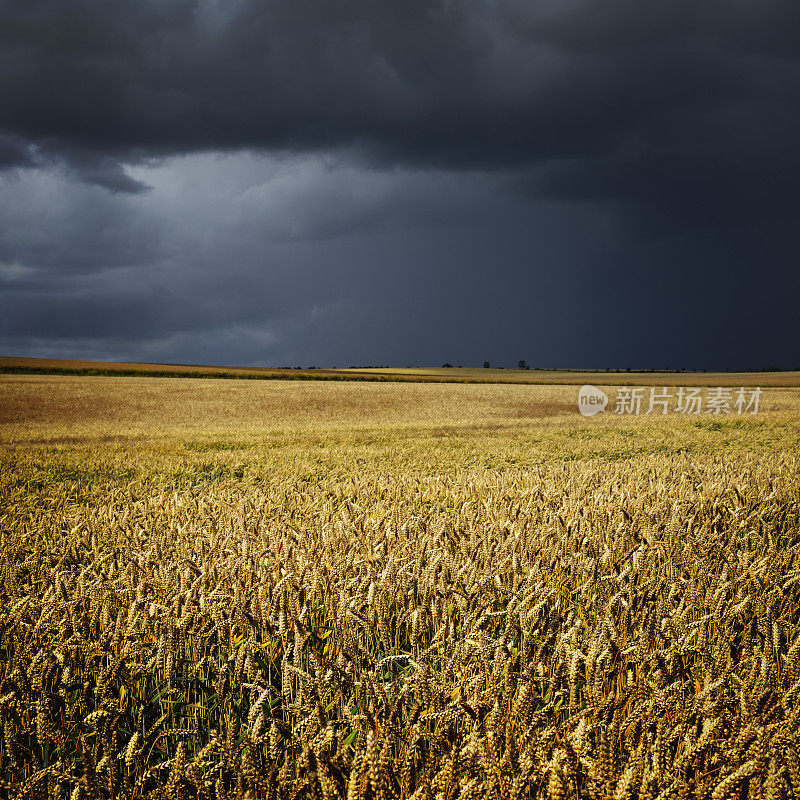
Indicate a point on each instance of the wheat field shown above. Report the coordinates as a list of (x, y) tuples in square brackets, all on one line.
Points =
[(233, 589), (59, 366)]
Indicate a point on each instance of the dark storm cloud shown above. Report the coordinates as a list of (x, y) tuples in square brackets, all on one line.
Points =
[(661, 105), (466, 84), (680, 191), (424, 179), (102, 171), (14, 153), (221, 244), (60, 229)]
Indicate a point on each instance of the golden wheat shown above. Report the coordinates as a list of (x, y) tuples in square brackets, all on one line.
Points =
[(616, 627)]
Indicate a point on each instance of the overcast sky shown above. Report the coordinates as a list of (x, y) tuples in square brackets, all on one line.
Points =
[(577, 183)]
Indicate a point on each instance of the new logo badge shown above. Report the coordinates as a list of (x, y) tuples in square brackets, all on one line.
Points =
[(591, 400)]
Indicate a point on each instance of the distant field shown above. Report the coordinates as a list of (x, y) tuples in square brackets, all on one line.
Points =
[(97, 408), (393, 591), (19, 365), (9, 364), (579, 377)]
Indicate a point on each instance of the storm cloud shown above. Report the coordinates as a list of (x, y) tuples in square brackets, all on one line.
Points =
[(577, 183)]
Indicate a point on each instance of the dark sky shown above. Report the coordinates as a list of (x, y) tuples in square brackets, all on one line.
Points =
[(579, 183)]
